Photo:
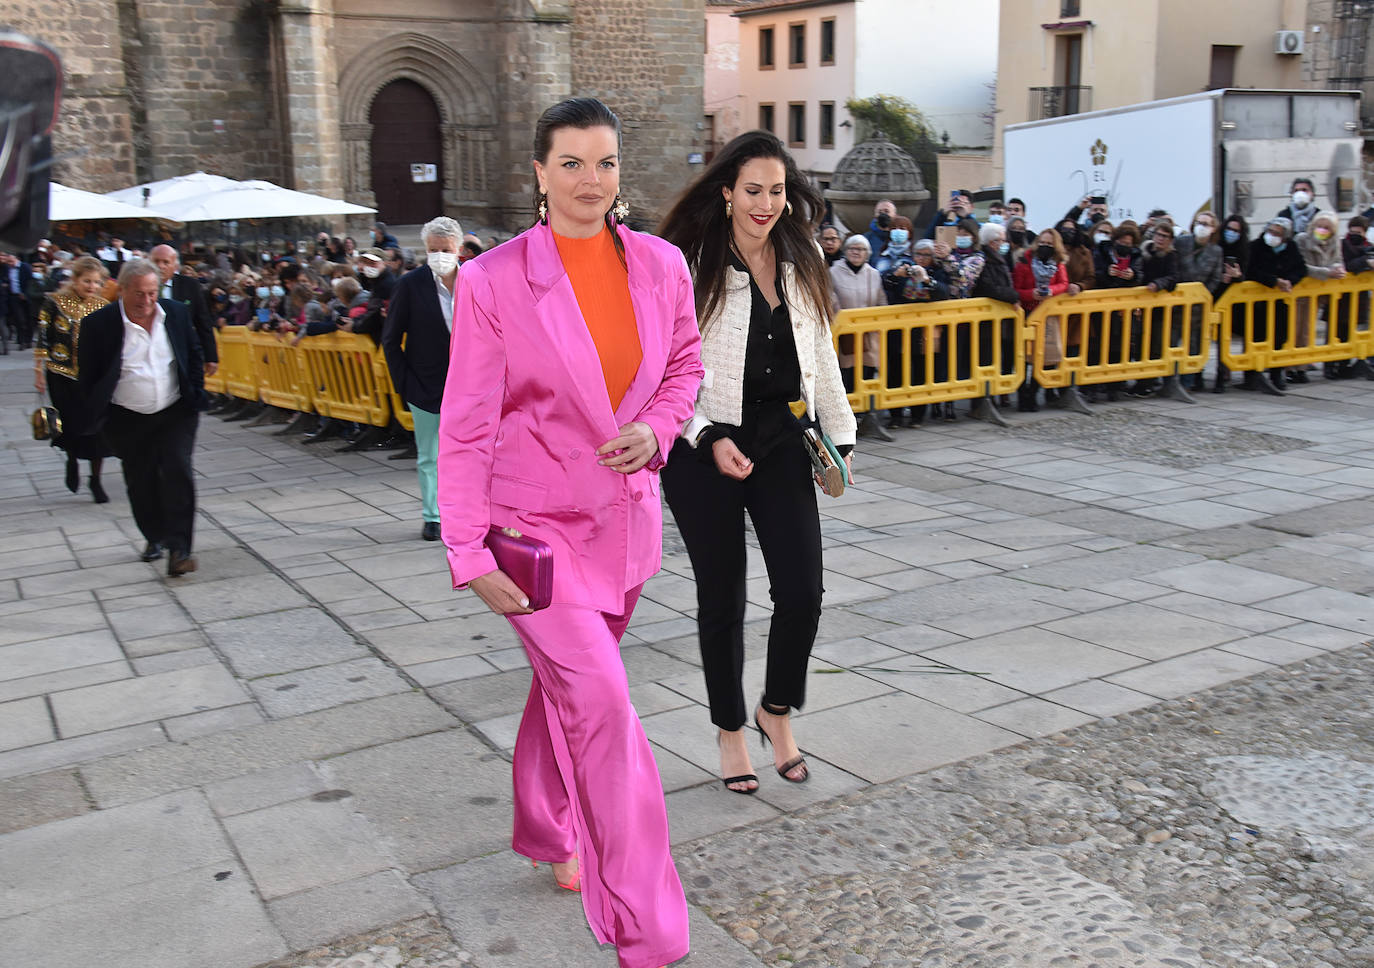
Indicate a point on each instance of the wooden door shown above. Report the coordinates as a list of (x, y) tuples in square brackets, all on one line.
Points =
[(405, 134)]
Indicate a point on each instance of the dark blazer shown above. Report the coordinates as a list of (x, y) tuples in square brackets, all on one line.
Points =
[(25, 280), (418, 372), (191, 294), (99, 355)]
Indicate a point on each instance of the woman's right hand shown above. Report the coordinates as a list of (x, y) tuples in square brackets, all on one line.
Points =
[(502, 595), (729, 460), (40, 383)]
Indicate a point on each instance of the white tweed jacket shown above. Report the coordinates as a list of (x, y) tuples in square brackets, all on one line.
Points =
[(720, 398)]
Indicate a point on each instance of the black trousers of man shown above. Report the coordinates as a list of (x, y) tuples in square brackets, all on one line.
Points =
[(155, 449), (709, 508)]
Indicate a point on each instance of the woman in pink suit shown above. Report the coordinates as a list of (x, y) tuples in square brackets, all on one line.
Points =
[(575, 362)]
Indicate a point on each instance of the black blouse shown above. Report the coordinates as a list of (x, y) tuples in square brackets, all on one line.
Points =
[(772, 378)]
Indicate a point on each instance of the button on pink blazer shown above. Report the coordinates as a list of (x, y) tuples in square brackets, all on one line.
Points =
[(525, 408)]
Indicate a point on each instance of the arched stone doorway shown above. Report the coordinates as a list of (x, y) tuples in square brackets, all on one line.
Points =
[(407, 154), (467, 120)]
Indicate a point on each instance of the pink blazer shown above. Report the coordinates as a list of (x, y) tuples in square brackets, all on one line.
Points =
[(525, 408)]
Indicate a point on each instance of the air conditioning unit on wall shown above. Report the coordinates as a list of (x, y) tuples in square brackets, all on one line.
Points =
[(1288, 42)]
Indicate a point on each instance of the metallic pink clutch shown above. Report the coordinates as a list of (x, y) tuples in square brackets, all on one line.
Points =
[(528, 561)]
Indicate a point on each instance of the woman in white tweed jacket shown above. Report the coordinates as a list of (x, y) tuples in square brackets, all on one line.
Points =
[(763, 300)]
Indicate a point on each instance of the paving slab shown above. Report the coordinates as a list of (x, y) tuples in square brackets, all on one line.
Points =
[(1100, 698), (91, 855), (310, 690), (1187, 674), (350, 907), (474, 700), (1227, 581), (92, 709), (181, 728), (1033, 717), (1328, 606), (1033, 660), (133, 776), (47, 756), (267, 788), (1142, 630), (29, 801), (895, 735), (413, 792), (1304, 566), (283, 641), (58, 653), (211, 601), (25, 722), (302, 845), (917, 675), (215, 917)]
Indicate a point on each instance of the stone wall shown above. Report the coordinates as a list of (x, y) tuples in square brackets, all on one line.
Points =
[(280, 89), (646, 59), (93, 140)]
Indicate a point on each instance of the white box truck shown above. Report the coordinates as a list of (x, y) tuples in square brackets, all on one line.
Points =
[(1228, 151)]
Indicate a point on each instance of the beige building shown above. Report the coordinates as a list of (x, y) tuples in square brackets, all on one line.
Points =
[(1058, 57), (722, 100), (801, 60)]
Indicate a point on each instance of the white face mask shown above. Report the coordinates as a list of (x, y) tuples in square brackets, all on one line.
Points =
[(1272, 240), (372, 272), (1202, 232), (1101, 237), (442, 263), (1301, 198)]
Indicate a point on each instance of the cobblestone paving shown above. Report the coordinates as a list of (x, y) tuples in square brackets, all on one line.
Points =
[(1146, 435), (1231, 828)]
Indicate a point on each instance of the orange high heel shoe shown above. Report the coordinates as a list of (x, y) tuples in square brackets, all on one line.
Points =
[(574, 884)]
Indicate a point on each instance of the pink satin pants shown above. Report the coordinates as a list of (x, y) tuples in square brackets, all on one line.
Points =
[(586, 783)]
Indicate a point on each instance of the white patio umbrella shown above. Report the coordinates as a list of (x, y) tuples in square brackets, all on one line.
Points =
[(162, 193), (73, 205), (199, 197)]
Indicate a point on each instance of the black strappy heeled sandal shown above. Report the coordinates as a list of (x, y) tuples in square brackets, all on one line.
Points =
[(766, 740), (742, 778)]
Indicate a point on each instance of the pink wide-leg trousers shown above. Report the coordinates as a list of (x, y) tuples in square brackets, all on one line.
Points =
[(586, 783)]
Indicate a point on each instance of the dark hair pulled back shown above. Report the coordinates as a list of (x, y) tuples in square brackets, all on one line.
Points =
[(697, 224), (582, 113)]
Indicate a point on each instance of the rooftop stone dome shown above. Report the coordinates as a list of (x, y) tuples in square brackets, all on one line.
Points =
[(869, 172)]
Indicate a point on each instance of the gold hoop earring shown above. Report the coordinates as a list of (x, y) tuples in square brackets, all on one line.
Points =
[(789, 208), (620, 210), (729, 208), (543, 209)]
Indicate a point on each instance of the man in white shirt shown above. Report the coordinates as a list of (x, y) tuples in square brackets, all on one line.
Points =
[(142, 379), (421, 314)]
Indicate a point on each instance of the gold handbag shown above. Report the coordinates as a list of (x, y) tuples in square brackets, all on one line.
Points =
[(47, 422)]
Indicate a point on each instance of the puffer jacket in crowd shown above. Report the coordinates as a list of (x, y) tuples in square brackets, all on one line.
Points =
[(1320, 257), (1161, 268), (1355, 251), (1267, 266), (857, 290), (1105, 256), (994, 282), (1200, 263)]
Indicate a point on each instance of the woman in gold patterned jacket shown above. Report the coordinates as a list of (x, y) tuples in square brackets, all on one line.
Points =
[(59, 330)]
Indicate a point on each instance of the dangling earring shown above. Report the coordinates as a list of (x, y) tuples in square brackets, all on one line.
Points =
[(789, 208), (543, 209), (621, 209), (729, 208)]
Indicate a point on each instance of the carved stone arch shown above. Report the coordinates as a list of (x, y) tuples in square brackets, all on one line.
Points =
[(466, 104)]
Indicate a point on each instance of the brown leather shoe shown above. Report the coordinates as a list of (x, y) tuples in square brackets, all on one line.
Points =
[(180, 563)]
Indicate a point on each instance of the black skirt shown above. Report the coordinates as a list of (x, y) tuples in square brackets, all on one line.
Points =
[(62, 390)]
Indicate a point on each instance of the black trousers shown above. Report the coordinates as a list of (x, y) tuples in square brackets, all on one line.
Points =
[(155, 449), (709, 508)]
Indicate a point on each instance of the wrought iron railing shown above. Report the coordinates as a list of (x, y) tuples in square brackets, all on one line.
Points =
[(1055, 102)]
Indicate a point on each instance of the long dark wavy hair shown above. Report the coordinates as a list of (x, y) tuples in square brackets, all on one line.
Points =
[(697, 224), (576, 112)]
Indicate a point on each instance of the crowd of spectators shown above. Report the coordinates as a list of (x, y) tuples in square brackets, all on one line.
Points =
[(1004, 258), (304, 290)]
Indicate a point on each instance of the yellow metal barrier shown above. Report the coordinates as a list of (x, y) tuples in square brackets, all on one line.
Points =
[(1320, 321), (236, 367), (283, 380), (1109, 335), (398, 406), (959, 349), (343, 378), (215, 383)]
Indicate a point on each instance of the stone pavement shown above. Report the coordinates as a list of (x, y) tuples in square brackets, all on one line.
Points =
[(309, 738)]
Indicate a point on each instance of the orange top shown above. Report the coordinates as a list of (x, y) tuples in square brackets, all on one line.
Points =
[(602, 287)]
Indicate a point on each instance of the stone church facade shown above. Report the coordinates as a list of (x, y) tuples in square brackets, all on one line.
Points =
[(343, 97)]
